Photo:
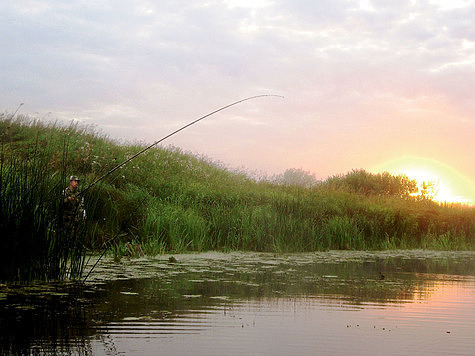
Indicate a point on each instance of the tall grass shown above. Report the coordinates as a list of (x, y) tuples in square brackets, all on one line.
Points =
[(35, 244), (168, 200)]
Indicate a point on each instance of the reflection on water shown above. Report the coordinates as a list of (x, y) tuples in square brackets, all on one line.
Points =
[(402, 302)]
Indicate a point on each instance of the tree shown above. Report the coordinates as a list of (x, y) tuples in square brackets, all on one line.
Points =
[(296, 177)]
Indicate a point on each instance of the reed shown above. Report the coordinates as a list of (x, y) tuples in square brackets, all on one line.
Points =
[(167, 200), (35, 245)]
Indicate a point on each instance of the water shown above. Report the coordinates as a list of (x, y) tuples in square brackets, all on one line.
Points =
[(392, 303)]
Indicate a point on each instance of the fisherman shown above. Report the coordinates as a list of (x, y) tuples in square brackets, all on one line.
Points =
[(73, 205)]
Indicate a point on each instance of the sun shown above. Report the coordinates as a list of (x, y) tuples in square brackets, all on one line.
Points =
[(447, 184)]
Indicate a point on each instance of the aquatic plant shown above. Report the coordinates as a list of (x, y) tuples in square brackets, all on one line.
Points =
[(35, 244), (170, 200)]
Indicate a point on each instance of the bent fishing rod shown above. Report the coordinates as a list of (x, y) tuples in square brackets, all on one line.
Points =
[(108, 243), (171, 134)]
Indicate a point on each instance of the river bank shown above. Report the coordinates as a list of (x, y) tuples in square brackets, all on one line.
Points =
[(171, 201)]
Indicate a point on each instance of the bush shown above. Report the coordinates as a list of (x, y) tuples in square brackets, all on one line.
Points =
[(167, 200)]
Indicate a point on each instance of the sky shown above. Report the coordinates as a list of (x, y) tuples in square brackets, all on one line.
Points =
[(372, 84)]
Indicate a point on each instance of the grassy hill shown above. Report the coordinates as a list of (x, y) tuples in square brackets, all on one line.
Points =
[(166, 200)]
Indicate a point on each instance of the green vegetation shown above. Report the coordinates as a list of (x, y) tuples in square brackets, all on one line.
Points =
[(34, 242), (167, 200)]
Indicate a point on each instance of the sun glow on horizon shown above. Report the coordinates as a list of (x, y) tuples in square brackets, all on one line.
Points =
[(448, 185)]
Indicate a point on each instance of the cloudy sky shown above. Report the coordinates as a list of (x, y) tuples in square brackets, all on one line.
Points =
[(370, 84)]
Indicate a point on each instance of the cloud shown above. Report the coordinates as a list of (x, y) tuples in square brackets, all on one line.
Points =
[(356, 75)]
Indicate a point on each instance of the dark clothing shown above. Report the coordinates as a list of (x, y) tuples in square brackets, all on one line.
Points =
[(73, 209)]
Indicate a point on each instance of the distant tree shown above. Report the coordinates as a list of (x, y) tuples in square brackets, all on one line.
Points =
[(296, 177)]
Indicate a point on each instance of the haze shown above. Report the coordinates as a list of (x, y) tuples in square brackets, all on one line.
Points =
[(367, 84)]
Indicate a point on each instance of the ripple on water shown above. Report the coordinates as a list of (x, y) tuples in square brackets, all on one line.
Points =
[(255, 303)]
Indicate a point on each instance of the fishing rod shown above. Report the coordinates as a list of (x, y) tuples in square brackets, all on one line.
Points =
[(108, 243), (171, 134)]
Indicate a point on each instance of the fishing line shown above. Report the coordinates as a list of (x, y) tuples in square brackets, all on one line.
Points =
[(109, 242), (171, 134)]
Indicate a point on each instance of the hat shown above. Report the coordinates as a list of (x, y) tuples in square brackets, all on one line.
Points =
[(73, 178)]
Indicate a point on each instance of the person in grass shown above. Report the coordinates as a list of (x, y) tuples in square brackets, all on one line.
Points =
[(73, 205)]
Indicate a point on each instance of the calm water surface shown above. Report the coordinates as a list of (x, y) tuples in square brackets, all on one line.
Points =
[(391, 303)]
